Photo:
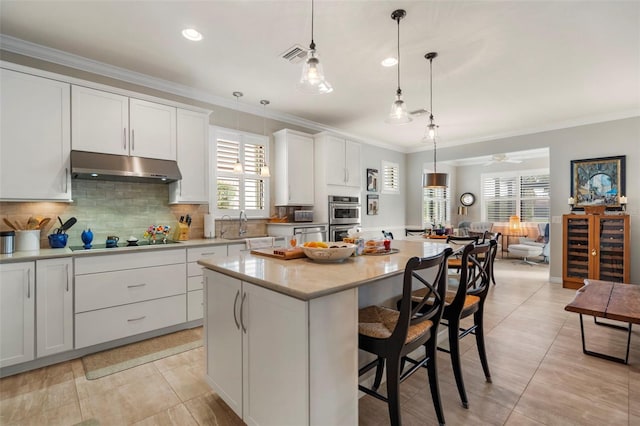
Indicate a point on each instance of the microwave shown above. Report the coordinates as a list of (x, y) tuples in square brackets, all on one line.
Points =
[(303, 216)]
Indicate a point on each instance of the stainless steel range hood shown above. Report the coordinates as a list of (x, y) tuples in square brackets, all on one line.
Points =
[(97, 166)]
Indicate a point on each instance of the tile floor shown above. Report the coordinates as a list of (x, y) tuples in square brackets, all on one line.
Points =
[(540, 376)]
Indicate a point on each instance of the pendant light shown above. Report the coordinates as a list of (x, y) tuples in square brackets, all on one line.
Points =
[(264, 170), (312, 80), (237, 167), (435, 179), (398, 113)]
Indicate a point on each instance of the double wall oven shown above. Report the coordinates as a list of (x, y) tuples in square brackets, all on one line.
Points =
[(344, 214)]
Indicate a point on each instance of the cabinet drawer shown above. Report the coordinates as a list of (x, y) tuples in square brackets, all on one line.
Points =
[(121, 321), (195, 305), (194, 270), (195, 283), (106, 289), (197, 253), (118, 262)]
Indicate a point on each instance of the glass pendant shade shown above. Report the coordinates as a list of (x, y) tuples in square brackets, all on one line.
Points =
[(398, 113), (264, 171), (434, 180), (432, 131), (237, 167), (312, 80)]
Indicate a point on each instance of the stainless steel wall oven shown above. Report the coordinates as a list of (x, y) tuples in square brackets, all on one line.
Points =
[(344, 214)]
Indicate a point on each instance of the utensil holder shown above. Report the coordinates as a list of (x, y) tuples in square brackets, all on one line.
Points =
[(182, 232), (28, 240)]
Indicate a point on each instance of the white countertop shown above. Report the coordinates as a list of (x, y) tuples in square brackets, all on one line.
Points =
[(48, 253), (305, 279)]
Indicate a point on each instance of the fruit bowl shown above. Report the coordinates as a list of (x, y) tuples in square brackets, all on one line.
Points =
[(336, 252)]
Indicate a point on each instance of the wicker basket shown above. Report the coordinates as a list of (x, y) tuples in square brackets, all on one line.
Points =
[(594, 209)]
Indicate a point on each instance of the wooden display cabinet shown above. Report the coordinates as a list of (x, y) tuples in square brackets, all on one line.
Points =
[(595, 247)]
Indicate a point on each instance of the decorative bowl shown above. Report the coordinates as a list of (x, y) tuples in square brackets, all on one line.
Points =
[(336, 252), (58, 240)]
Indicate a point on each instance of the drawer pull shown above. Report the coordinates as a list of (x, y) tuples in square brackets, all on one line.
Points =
[(210, 253), (136, 285), (235, 318), (137, 319)]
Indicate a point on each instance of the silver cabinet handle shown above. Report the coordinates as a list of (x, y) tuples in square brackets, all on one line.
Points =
[(235, 318), (133, 140), (124, 139), (29, 283), (67, 272), (347, 170), (137, 319), (66, 179), (241, 318), (209, 253), (136, 285), (180, 185)]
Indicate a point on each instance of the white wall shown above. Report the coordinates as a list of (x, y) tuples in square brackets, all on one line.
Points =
[(612, 138)]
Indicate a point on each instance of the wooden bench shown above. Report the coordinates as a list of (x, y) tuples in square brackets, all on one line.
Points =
[(614, 301)]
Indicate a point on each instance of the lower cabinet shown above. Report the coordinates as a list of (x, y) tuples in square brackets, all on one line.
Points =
[(122, 295), (195, 301), (17, 313), (257, 351), (54, 301)]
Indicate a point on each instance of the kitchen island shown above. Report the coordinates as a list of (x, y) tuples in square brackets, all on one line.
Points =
[(281, 336)]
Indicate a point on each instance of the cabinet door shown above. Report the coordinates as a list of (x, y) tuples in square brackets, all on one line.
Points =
[(99, 121), (612, 247), (153, 130), (224, 337), (192, 143), (334, 160), (17, 304), (275, 351), (577, 263), (54, 295), (34, 138), (293, 169), (352, 164), (194, 305)]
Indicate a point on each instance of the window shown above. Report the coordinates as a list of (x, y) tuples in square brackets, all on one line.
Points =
[(248, 190), (522, 193), (435, 206), (390, 178)]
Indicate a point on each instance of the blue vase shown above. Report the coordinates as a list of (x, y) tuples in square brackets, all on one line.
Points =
[(87, 238)]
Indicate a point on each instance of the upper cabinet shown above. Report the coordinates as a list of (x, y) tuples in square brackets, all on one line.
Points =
[(340, 160), (193, 137), (293, 168), (115, 124), (34, 138)]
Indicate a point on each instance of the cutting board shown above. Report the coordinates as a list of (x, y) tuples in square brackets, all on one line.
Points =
[(280, 253)]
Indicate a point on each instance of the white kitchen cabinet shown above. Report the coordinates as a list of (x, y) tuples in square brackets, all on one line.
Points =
[(121, 295), (193, 158), (54, 301), (338, 160), (17, 313), (153, 130), (195, 278), (293, 168), (34, 138), (100, 121), (246, 358), (115, 124)]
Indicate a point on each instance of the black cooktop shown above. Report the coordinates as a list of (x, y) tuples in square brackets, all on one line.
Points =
[(122, 244)]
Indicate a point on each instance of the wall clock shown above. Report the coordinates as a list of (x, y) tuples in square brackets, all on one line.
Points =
[(467, 199)]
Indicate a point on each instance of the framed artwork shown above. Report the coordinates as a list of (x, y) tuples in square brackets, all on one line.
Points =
[(598, 181), (372, 204), (372, 180)]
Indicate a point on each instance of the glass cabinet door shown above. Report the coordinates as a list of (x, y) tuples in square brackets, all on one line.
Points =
[(578, 248), (611, 249)]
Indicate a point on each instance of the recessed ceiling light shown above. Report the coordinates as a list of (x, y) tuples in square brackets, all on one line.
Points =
[(191, 34), (389, 62)]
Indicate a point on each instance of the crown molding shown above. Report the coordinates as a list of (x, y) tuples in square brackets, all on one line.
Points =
[(33, 50)]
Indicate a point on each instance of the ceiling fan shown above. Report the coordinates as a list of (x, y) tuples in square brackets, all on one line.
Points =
[(501, 158)]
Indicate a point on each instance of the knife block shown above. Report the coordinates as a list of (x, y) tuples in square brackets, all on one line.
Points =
[(182, 232)]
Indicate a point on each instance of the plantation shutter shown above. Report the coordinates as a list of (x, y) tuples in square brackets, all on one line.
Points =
[(500, 193), (228, 152), (390, 177), (534, 198)]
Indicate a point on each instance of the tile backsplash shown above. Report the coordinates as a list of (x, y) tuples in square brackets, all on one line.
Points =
[(108, 208)]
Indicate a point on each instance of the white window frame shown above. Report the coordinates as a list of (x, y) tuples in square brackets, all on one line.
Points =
[(242, 138), (517, 174), (393, 189)]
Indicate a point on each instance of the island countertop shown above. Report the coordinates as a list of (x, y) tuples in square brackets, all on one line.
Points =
[(306, 279)]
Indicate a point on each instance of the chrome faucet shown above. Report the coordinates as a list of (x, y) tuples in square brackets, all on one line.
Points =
[(242, 229), (222, 230)]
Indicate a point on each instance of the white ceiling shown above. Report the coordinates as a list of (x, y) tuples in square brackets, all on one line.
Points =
[(504, 67)]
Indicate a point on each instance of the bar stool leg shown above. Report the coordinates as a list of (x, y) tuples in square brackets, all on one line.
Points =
[(454, 347), (479, 332), (432, 370), (393, 391)]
